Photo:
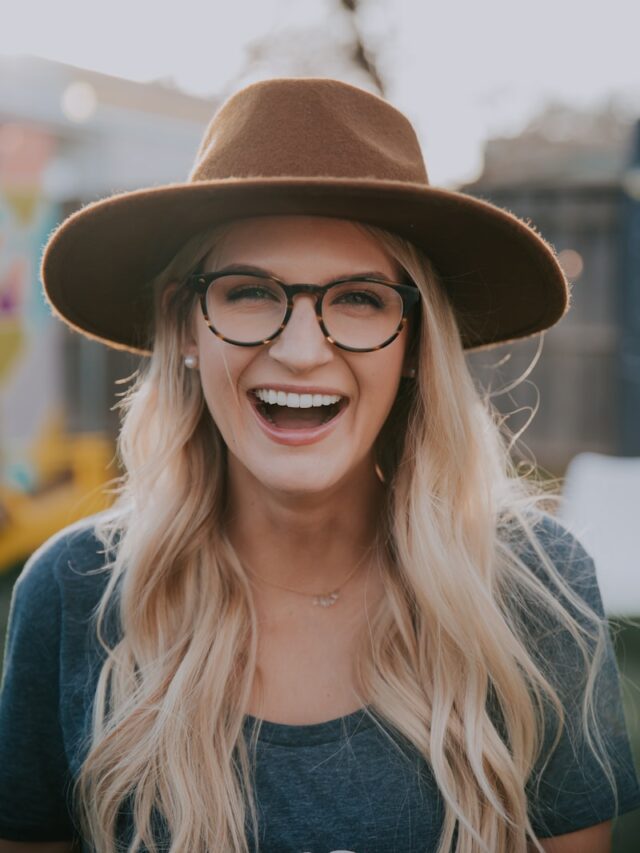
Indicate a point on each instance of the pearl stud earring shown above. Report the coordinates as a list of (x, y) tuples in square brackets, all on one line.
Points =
[(191, 361)]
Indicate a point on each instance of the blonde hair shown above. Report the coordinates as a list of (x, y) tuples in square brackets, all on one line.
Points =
[(167, 732)]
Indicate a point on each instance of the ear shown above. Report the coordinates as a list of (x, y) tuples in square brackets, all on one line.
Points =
[(190, 347), (411, 354), (168, 294)]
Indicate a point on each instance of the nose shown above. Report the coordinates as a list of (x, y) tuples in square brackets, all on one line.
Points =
[(301, 345)]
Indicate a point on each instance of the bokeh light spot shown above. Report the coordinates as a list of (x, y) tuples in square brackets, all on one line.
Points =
[(79, 102), (571, 263)]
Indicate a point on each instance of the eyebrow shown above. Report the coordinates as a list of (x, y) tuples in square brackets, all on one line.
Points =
[(261, 271)]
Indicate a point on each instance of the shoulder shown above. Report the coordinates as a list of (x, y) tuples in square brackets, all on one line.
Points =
[(574, 568), (68, 567), (557, 540), (555, 577)]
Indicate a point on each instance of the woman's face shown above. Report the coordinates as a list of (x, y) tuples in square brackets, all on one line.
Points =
[(298, 453)]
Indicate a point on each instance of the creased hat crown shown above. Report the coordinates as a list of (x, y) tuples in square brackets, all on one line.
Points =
[(310, 127)]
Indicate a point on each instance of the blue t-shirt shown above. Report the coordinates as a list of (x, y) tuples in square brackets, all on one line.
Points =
[(350, 784)]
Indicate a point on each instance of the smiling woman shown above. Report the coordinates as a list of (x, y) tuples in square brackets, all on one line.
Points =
[(359, 312), (302, 360), (325, 612)]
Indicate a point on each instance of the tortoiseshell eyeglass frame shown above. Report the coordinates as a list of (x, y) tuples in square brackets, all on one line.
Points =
[(200, 282)]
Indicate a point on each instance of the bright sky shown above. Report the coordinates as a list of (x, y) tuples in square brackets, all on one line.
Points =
[(462, 71)]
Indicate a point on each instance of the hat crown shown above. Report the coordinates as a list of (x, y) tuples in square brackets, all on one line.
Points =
[(306, 128)]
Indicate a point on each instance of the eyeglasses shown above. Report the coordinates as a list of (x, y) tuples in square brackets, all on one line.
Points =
[(356, 314)]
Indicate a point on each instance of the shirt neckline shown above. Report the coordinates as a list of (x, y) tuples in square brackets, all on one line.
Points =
[(329, 731)]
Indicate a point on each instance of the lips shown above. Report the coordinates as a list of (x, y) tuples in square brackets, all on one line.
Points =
[(296, 426)]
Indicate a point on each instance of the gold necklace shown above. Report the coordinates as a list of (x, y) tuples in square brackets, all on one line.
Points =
[(319, 599)]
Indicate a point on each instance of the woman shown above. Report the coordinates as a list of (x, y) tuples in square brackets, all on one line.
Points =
[(325, 612)]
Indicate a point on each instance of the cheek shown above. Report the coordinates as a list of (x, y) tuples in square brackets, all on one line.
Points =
[(220, 373), (379, 382)]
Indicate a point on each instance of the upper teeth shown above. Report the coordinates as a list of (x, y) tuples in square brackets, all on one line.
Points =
[(295, 401)]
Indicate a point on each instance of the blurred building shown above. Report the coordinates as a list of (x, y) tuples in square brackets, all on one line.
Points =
[(67, 137), (575, 176)]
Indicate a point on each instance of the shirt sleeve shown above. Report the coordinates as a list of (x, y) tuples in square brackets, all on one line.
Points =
[(34, 775), (571, 791)]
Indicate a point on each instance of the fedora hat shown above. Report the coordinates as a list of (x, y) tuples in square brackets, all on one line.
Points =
[(309, 146)]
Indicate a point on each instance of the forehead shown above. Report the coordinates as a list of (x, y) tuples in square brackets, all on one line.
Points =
[(302, 246)]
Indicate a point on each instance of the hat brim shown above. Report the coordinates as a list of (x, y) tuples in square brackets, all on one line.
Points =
[(502, 278)]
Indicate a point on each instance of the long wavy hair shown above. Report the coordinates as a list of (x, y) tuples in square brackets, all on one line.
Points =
[(446, 645)]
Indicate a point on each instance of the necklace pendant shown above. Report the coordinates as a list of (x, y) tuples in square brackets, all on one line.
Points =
[(326, 600)]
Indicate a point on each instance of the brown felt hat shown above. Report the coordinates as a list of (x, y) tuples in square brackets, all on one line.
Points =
[(310, 146)]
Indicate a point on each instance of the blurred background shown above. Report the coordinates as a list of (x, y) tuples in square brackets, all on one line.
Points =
[(535, 108)]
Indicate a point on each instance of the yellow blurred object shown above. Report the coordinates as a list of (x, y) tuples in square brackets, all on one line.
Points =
[(11, 345), (73, 473)]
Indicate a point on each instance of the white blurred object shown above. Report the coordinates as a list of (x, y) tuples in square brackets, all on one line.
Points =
[(601, 508)]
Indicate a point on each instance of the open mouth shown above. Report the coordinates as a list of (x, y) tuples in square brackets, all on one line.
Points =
[(297, 411)]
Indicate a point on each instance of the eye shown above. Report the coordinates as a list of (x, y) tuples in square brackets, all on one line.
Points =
[(246, 289), (358, 294), (361, 297), (250, 293)]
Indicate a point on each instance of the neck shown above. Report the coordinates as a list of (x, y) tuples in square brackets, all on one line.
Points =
[(309, 542)]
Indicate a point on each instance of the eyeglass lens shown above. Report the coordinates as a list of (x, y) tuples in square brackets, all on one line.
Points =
[(249, 308)]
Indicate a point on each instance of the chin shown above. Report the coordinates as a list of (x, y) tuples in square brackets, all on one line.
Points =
[(297, 484), (302, 478)]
